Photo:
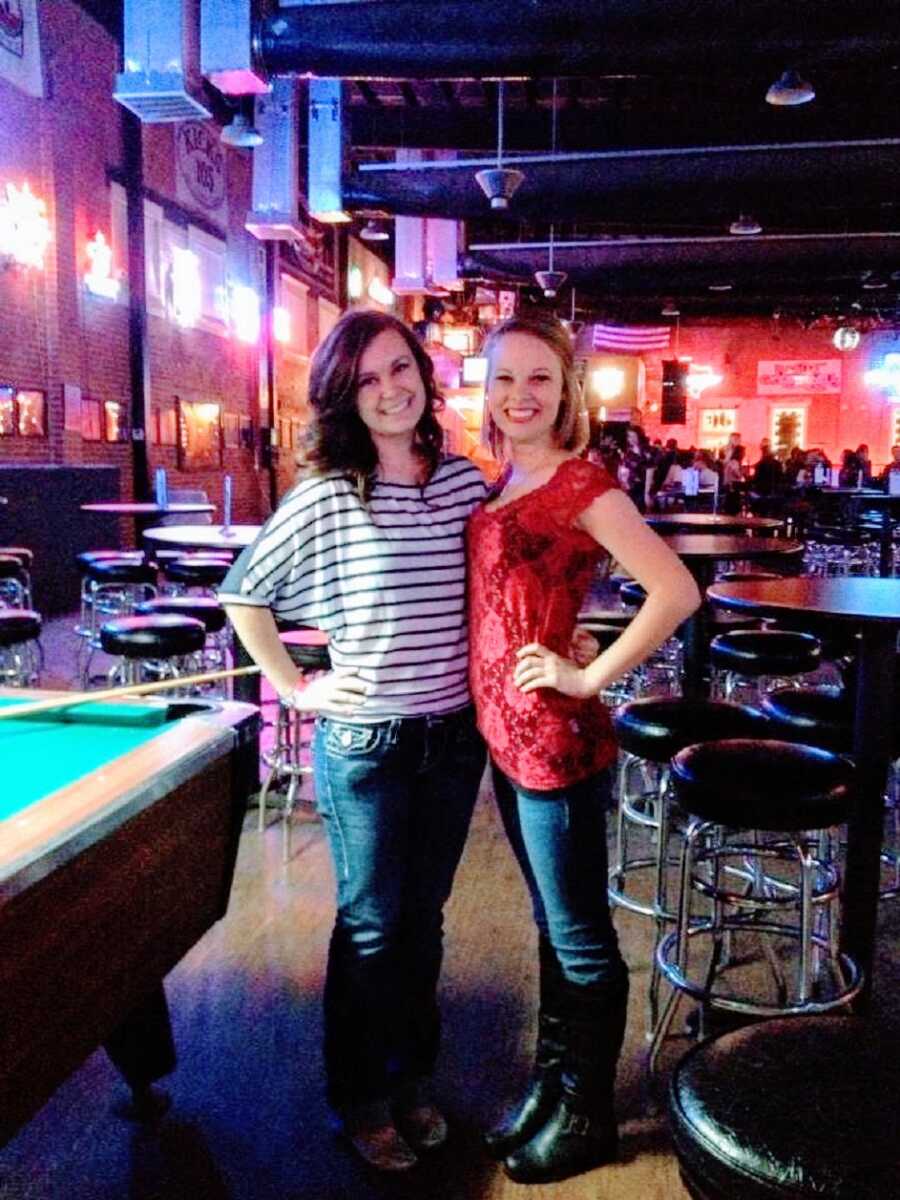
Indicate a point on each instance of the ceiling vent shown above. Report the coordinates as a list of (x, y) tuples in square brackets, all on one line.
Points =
[(161, 43)]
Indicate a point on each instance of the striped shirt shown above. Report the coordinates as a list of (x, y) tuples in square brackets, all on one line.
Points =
[(385, 582)]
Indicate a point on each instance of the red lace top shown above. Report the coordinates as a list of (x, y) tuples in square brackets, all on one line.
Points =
[(529, 571)]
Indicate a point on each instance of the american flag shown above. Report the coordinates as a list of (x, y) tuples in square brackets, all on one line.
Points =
[(630, 339)]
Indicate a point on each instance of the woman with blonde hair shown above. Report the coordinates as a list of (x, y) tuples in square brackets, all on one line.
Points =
[(533, 550)]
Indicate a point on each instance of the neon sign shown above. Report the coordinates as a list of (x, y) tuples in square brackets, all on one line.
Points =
[(99, 278), (887, 376), (24, 228), (699, 378), (186, 287)]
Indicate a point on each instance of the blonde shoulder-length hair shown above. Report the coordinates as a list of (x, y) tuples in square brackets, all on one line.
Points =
[(571, 428)]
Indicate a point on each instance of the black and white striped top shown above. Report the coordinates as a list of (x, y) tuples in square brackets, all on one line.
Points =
[(386, 582)]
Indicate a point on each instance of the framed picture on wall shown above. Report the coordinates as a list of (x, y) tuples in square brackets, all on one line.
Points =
[(232, 430), (31, 412), (113, 426), (297, 428), (7, 411), (199, 434), (153, 427), (284, 433), (168, 427), (91, 428)]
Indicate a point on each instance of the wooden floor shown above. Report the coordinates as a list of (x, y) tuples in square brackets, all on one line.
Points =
[(248, 1120)]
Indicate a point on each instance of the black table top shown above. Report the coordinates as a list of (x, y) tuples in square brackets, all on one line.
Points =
[(140, 508), (724, 547), (712, 521), (851, 599)]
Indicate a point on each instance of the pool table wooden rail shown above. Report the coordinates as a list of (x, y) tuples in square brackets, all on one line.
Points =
[(138, 865)]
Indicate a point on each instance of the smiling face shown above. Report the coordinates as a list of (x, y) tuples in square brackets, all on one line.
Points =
[(390, 394), (524, 389)]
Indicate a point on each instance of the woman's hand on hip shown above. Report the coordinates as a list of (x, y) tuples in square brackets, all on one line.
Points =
[(538, 667), (331, 692)]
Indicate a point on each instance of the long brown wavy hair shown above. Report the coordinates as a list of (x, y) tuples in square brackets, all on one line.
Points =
[(337, 438)]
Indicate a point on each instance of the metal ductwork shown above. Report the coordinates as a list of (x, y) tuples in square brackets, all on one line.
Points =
[(466, 39), (161, 44), (695, 184)]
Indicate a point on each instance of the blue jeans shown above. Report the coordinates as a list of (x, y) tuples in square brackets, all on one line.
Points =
[(396, 798), (559, 840)]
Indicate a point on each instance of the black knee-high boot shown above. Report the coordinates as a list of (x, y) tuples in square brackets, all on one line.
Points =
[(581, 1131), (544, 1086)]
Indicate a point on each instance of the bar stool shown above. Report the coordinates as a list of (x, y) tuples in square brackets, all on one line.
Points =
[(789, 1110), (824, 717), (199, 575), (750, 662), (115, 586), (289, 756), (202, 608), (83, 560), (15, 586), (150, 648), (733, 791), (25, 558), (21, 653), (663, 668), (649, 732)]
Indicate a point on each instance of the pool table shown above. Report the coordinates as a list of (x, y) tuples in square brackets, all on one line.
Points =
[(119, 828)]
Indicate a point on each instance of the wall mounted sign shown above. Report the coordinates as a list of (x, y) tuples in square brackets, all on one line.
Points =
[(24, 229), (100, 279), (200, 168), (20, 52), (798, 377)]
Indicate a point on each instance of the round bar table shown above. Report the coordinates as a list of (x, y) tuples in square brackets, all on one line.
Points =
[(665, 523), (144, 511), (203, 537), (871, 606), (855, 500), (216, 537), (701, 553)]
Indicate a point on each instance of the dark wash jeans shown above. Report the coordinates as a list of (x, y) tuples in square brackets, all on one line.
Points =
[(396, 798), (559, 840)]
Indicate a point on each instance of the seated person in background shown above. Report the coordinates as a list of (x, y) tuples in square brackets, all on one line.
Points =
[(865, 464), (768, 474), (706, 465), (797, 467), (733, 481), (851, 471), (893, 465)]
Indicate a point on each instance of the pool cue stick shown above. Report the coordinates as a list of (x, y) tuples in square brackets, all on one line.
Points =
[(74, 699)]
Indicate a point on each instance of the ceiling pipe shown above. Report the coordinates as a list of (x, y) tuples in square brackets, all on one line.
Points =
[(472, 39)]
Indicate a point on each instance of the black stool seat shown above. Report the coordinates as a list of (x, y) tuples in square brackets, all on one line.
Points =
[(658, 727), (632, 593), (22, 553), (767, 785), (747, 576), (765, 652), (86, 557), (720, 621), (163, 636), (197, 572), (801, 1109), (12, 568), (605, 633), (820, 717), (201, 608), (18, 625), (605, 616), (121, 570)]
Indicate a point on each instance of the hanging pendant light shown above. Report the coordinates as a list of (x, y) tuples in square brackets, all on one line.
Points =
[(499, 183), (551, 281)]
